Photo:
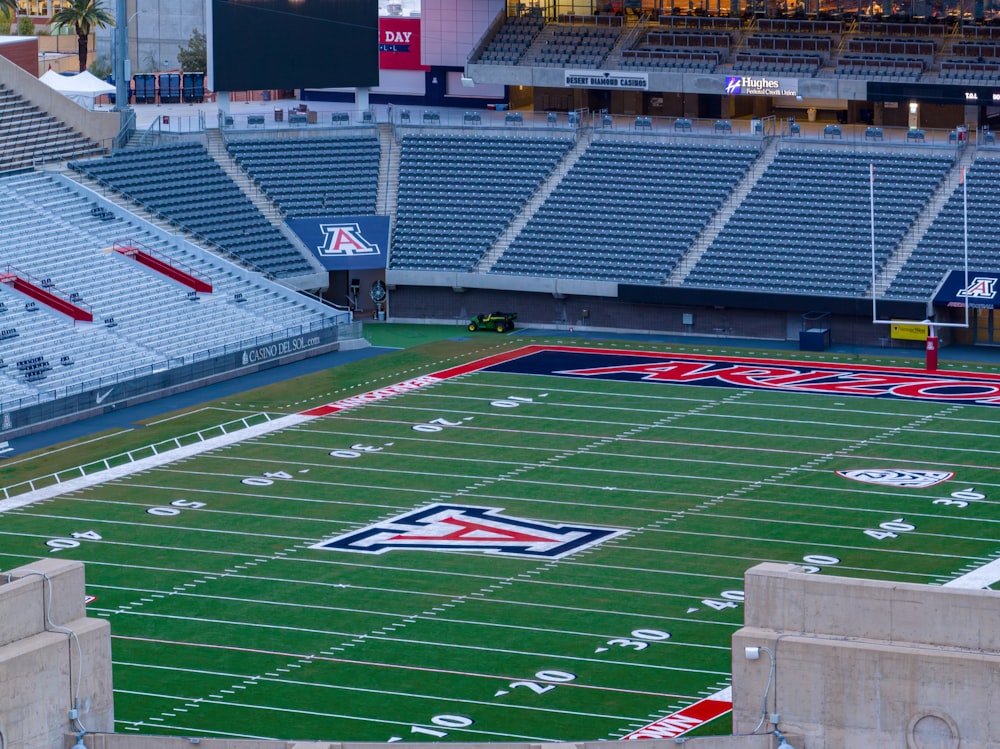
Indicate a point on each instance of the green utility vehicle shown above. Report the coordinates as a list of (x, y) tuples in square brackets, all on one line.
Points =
[(498, 321)]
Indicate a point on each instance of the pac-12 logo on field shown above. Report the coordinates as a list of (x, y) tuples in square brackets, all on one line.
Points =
[(448, 527), (901, 477), (344, 239)]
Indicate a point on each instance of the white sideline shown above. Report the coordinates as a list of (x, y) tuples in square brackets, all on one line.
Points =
[(983, 577), (153, 461)]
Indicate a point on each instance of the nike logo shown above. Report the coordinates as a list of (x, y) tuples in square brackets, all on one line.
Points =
[(101, 398)]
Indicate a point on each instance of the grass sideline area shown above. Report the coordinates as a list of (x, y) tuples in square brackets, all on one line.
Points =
[(578, 576)]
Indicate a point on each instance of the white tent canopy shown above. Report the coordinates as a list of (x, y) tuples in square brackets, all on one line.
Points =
[(83, 88)]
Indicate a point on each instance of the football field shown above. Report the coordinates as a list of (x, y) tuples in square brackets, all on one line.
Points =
[(547, 544)]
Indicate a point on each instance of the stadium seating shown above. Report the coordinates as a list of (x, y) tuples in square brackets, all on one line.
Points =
[(144, 321), (512, 40), (941, 248), (29, 136), (457, 193), (626, 211), (313, 176), (576, 46), (184, 184), (805, 226)]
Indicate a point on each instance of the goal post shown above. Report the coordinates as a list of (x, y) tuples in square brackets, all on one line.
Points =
[(932, 342)]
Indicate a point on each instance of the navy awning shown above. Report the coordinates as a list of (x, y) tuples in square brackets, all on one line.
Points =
[(978, 292), (345, 242)]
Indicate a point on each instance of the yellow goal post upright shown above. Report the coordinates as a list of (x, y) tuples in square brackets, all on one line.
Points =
[(931, 350)]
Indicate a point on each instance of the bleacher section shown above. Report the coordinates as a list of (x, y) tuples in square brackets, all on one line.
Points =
[(313, 176), (941, 248), (457, 193), (805, 226), (574, 46), (678, 48), (626, 211), (512, 41), (184, 184), (887, 49), (29, 136), (143, 321)]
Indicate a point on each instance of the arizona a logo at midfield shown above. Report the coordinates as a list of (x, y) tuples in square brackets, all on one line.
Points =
[(447, 527)]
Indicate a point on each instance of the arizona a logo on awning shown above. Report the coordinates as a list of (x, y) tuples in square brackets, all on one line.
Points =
[(448, 527)]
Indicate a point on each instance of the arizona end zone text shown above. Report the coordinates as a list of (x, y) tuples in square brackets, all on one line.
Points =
[(757, 374), (801, 379)]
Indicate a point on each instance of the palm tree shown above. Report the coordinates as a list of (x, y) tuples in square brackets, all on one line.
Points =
[(83, 16)]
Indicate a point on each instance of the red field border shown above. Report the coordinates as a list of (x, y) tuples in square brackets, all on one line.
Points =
[(691, 717)]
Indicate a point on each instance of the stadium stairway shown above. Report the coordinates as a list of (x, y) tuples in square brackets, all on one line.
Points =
[(388, 174), (500, 246), (922, 223), (30, 136), (725, 212), (216, 148)]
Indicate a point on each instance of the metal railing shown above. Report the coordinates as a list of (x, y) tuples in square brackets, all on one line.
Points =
[(126, 458)]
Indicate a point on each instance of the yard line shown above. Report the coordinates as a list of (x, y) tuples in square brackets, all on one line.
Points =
[(393, 614), (206, 731), (412, 695), (802, 523), (274, 709), (427, 669), (205, 510), (402, 592), (750, 561), (642, 616), (809, 543), (668, 392), (686, 444), (191, 530)]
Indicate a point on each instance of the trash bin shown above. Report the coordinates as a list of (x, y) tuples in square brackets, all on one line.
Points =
[(811, 114), (279, 114)]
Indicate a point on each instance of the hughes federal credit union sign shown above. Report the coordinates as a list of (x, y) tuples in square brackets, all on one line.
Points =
[(748, 85), (607, 79)]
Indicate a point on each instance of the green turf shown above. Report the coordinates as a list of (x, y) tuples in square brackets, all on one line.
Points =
[(226, 623)]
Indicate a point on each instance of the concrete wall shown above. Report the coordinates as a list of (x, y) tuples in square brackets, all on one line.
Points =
[(451, 28), (117, 741), (40, 663), (22, 51), (100, 127), (868, 663)]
